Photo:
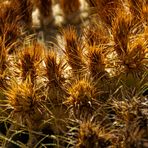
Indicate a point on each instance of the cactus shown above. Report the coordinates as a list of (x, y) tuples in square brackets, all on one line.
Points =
[(87, 89)]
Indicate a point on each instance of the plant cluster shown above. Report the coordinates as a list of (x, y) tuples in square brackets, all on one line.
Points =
[(91, 91)]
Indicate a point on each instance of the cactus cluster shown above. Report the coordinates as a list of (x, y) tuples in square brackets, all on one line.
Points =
[(86, 89)]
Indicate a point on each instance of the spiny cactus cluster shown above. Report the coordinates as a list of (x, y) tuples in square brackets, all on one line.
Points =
[(89, 89)]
